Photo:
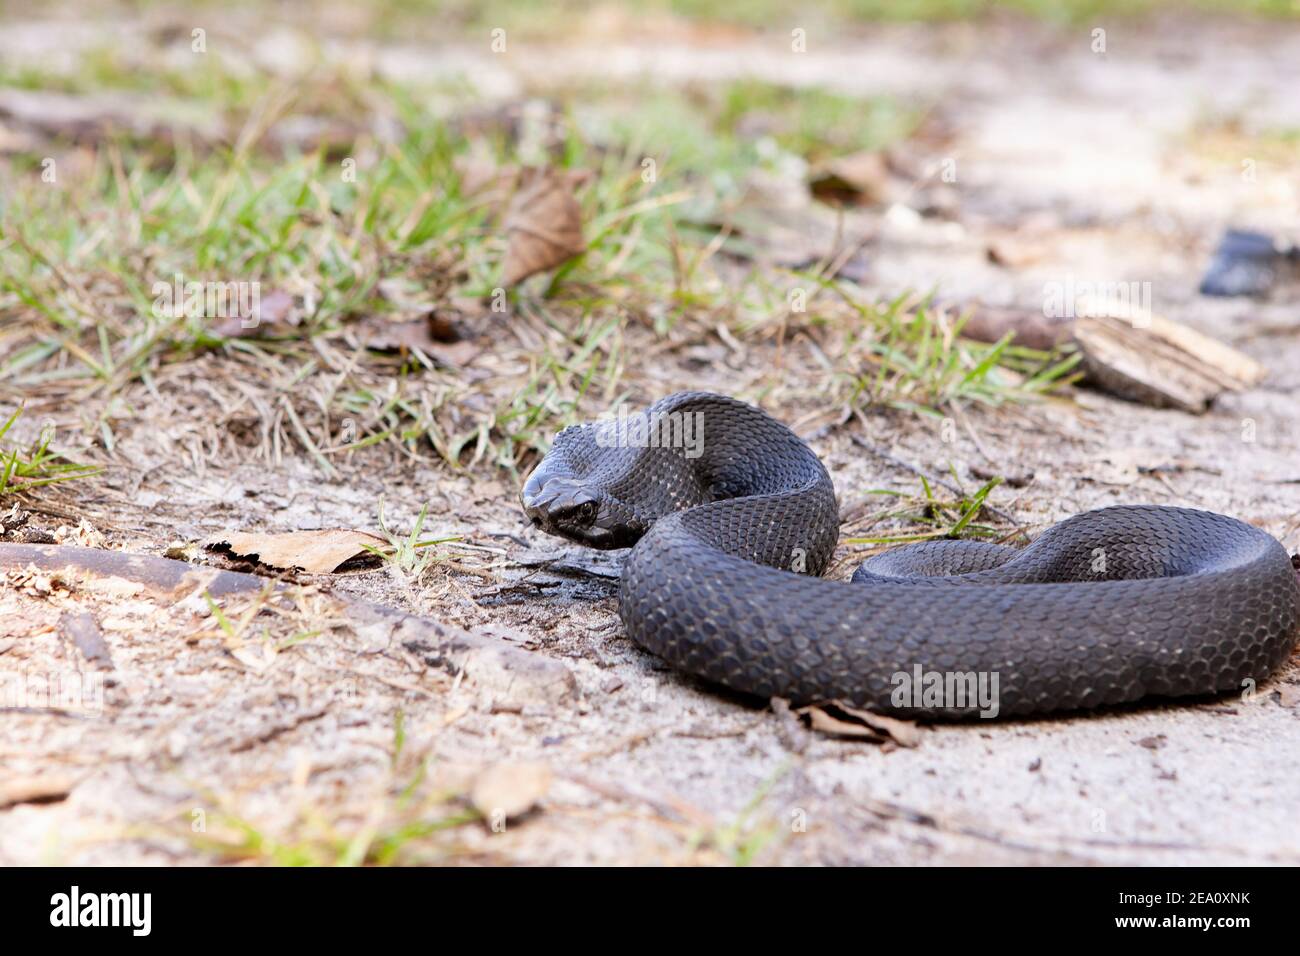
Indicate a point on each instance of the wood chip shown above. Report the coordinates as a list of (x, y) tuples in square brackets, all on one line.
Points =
[(1150, 359)]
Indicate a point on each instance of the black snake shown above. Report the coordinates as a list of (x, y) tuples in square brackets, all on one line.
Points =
[(732, 518)]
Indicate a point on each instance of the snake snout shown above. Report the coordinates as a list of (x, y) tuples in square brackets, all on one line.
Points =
[(562, 506), (574, 509)]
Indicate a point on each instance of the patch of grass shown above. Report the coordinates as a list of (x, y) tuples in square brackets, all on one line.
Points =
[(917, 360), (22, 469), (1230, 147), (407, 825), (402, 832), (409, 555), (744, 838), (951, 517), (815, 123), (534, 18), (80, 310)]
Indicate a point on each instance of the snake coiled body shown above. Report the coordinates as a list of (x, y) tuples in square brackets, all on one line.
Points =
[(731, 528)]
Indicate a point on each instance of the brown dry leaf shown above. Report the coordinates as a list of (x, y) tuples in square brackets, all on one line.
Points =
[(842, 720), (84, 535), (318, 552), (543, 223), (508, 790), (859, 178), (45, 788), (431, 335)]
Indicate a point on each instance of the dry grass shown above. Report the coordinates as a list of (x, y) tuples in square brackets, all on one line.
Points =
[(413, 238)]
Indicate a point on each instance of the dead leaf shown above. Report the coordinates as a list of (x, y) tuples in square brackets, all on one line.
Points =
[(543, 223), (842, 720), (857, 178), (432, 335), (84, 535), (507, 790), (46, 788), (33, 581), (318, 552)]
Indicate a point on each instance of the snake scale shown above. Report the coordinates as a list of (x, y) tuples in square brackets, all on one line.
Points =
[(732, 519)]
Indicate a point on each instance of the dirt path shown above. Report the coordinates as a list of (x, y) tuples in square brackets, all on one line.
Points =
[(1119, 166)]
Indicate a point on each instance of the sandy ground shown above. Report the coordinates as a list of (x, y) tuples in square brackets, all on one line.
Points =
[(651, 766)]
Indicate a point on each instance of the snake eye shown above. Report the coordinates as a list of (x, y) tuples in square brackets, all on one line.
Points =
[(587, 511)]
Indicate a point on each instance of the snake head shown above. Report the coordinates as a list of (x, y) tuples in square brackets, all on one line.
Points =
[(573, 509)]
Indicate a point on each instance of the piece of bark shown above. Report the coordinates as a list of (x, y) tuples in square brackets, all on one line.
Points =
[(1153, 360), (1136, 355), (81, 628)]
